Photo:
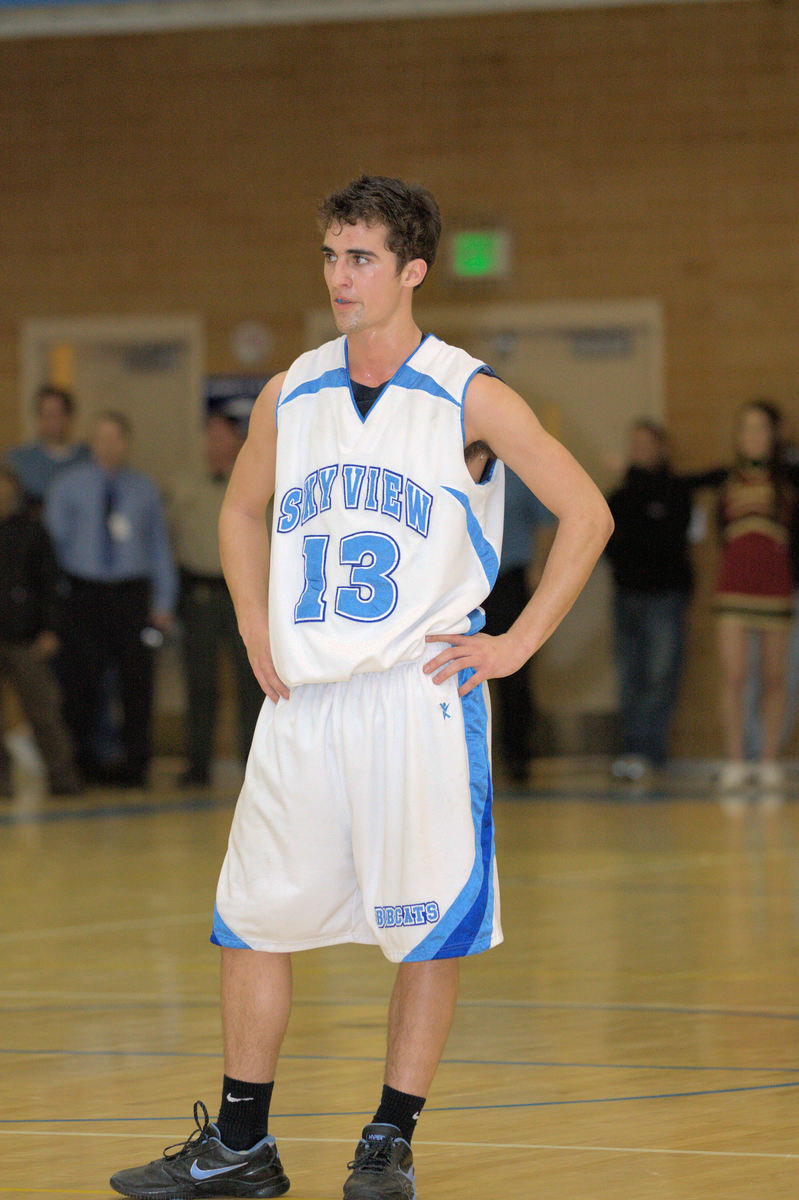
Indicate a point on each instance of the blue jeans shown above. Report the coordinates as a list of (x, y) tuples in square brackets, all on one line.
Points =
[(650, 629)]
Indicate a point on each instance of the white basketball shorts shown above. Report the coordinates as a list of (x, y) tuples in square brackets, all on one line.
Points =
[(365, 816)]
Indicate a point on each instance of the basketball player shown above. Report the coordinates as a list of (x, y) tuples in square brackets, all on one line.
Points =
[(365, 814)]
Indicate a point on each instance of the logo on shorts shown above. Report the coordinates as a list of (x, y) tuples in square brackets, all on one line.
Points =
[(395, 916), (445, 710)]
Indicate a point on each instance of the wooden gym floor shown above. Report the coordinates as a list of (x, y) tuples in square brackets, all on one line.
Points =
[(636, 1036)]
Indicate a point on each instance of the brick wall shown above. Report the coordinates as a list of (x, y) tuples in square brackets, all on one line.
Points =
[(631, 151)]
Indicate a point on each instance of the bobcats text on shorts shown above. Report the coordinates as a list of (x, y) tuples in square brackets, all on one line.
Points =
[(394, 916)]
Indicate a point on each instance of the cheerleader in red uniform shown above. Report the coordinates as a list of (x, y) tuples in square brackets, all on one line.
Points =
[(754, 589)]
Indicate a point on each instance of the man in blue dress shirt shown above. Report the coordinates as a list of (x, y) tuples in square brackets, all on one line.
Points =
[(108, 529), (37, 463)]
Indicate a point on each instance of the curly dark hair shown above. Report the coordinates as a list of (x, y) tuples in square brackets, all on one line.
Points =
[(408, 211)]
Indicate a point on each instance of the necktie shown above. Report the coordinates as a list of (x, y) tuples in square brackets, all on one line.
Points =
[(109, 504)]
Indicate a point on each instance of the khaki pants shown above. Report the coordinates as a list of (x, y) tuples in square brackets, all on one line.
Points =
[(40, 700)]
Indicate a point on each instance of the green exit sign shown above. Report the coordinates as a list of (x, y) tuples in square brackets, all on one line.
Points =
[(480, 254)]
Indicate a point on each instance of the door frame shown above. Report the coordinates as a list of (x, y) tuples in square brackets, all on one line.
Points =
[(188, 328), (562, 316)]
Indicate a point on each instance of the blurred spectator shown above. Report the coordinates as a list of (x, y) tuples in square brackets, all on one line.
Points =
[(753, 724), (754, 589), (110, 538), (28, 575), (205, 607), (37, 463), (648, 554), (523, 552)]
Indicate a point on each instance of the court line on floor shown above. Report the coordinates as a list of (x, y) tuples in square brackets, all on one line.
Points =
[(609, 1149), (623, 880), (161, 806), (132, 808), (23, 1191), (419, 1142), (461, 1108), (26, 1191), (122, 925), (541, 1064), (704, 795), (158, 999), (638, 882), (132, 1000), (702, 1010)]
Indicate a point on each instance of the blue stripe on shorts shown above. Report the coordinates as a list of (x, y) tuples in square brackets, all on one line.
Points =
[(467, 925), (223, 935)]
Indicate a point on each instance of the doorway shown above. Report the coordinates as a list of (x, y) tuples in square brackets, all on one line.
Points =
[(587, 369), (151, 368)]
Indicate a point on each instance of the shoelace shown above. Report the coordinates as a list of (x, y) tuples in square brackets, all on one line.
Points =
[(373, 1158), (195, 1138)]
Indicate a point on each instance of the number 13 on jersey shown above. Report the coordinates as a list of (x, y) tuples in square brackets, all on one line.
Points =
[(370, 593)]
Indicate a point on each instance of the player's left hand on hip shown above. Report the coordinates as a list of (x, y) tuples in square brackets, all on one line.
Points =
[(489, 658)]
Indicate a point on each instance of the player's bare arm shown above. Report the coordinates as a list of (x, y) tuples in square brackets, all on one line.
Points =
[(497, 416), (244, 539)]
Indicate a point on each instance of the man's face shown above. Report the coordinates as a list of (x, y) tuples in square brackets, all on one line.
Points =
[(755, 435), (110, 445), (366, 289), (53, 421), (646, 450), (222, 444)]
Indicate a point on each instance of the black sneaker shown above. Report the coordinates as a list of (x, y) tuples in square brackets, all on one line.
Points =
[(382, 1168), (203, 1166)]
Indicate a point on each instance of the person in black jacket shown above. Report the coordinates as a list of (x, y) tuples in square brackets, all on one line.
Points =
[(28, 577), (648, 554)]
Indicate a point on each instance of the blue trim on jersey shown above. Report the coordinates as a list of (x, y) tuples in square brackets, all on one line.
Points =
[(397, 378), (477, 620), (466, 927), (483, 548), (336, 377), (488, 473), (223, 935), (484, 369), (418, 381)]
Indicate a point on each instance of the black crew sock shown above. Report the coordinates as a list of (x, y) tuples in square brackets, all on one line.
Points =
[(400, 1109), (244, 1116)]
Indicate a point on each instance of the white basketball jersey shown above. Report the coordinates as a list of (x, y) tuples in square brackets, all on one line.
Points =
[(380, 535)]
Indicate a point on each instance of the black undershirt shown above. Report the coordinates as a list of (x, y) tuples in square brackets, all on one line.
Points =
[(365, 396)]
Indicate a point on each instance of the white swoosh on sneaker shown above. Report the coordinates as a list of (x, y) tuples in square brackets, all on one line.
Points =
[(198, 1173), (239, 1099)]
